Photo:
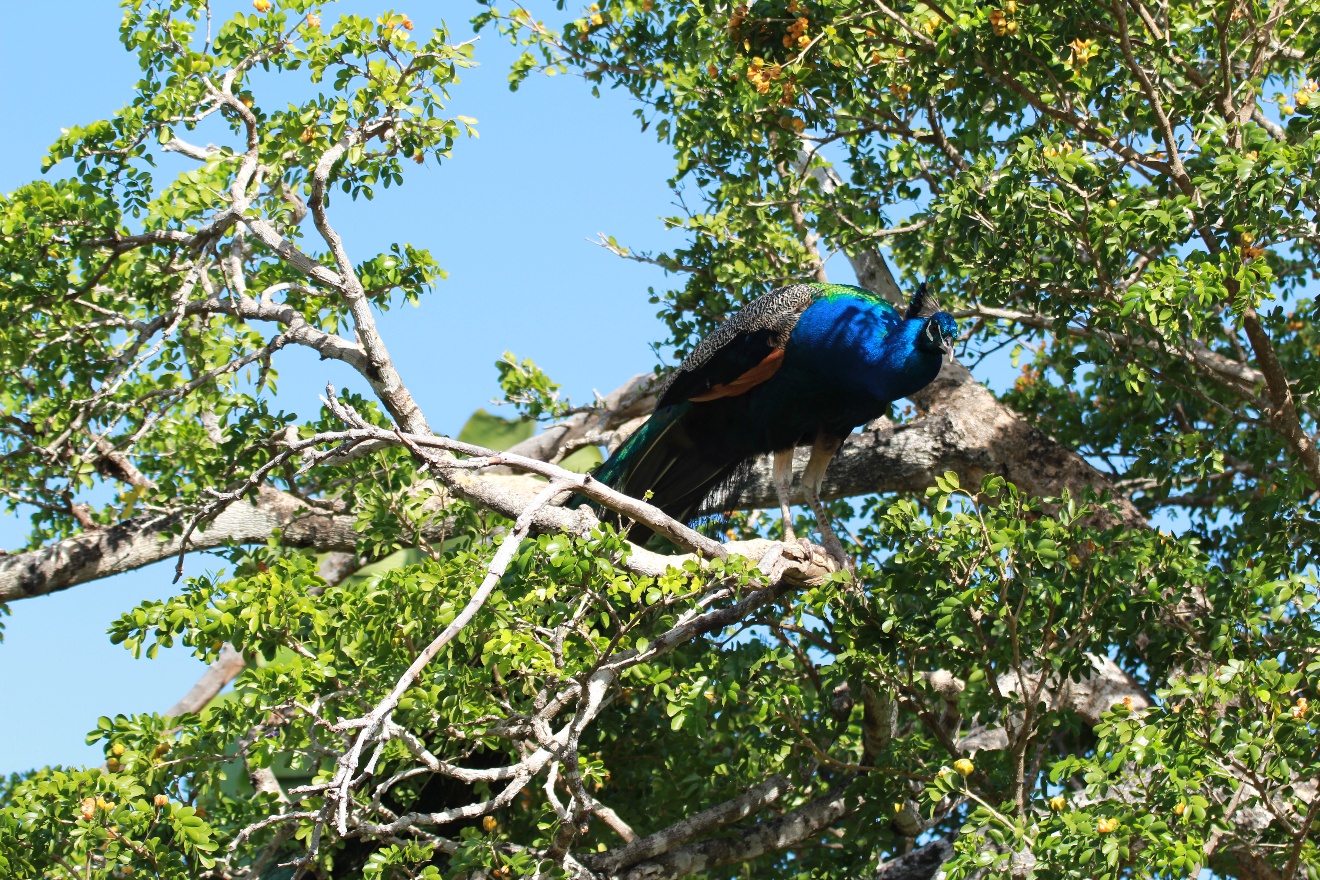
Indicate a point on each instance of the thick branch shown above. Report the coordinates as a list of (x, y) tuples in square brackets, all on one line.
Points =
[(791, 829), (695, 825), (143, 540)]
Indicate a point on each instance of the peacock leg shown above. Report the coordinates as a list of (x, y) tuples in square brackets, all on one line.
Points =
[(822, 451), (782, 471)]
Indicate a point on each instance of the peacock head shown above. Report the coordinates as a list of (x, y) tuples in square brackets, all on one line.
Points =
[(940, 330), (939, 334)]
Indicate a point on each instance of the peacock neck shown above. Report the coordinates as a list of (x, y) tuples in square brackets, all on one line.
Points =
[(904, 366)]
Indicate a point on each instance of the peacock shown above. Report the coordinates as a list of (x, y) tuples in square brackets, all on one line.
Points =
[(802, 364)]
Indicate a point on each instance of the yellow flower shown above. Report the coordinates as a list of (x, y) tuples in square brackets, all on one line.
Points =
[(1082, 51), (313, 20), (597, 19), (1106, 825), (161, 800), (490, 823), (1058, 802), (1179, 808), (964, 766), (88, 808), (1299, 710), (262, 6)]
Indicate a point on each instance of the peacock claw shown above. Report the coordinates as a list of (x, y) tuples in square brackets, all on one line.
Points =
[(803, 550)]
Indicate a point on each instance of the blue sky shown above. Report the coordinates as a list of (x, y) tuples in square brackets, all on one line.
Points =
[(509, 217)]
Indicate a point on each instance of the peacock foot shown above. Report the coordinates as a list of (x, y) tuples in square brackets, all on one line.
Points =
[(803, 550)]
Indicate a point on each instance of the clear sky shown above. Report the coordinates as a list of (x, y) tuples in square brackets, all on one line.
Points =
[(509, 217)]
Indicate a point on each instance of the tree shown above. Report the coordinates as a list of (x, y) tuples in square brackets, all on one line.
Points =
[(1023, 676)]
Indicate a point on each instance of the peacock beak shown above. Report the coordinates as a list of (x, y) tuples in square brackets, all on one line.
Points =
[(946, 346)]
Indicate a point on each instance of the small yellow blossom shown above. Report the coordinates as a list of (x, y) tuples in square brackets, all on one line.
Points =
[(964, 766), (1299, 710), (797, 34), (738, 17), (262, 6), (161, 800), (88, 808), (1058, 802), (313, 20), (489, 824), (1106, 825), (1179, 808), (1082, 52)]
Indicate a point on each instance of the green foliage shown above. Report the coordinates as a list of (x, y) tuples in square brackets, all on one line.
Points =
[(493, 432), (527, 387), (187, 391)]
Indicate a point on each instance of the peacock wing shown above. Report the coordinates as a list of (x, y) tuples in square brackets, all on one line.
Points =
[(744, 351)]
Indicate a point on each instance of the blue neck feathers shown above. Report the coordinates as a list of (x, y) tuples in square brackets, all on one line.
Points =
[(863, 344)]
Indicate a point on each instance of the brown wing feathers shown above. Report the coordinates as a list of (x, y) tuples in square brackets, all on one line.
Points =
[(741, 353)]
